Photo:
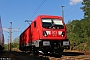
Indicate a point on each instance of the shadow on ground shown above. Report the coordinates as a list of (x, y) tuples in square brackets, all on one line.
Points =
[(23, 56), (72, 53), (14, 55), (65, 54)]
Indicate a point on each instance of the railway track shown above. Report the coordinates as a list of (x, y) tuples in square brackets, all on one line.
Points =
[(14, 55), (71, 56)]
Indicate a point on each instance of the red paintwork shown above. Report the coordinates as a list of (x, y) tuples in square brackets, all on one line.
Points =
[(31, 34), (25, 36)]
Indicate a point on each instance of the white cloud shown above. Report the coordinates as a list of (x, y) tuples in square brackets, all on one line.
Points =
[(72, 2)]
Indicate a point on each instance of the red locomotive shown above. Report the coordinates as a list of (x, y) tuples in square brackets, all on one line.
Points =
[(1, 37), (46, 34)]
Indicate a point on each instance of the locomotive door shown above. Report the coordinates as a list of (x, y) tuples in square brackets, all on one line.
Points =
[(34, 32)]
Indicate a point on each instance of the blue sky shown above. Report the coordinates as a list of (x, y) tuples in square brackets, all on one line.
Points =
[(17, 11)]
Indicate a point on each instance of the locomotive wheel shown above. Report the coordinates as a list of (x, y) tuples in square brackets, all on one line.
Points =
[(36, 52), (45, 53), (57, 53)]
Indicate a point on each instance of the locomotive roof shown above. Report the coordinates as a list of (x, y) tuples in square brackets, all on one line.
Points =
[(42, 16)]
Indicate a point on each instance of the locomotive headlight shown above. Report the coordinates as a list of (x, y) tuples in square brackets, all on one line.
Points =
[(63, 34), (45, 33)]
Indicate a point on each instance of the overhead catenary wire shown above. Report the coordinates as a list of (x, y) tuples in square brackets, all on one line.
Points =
[(35, 11), (71, 12), (39, 6)]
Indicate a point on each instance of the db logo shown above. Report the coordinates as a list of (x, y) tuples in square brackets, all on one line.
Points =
[(54, 32)]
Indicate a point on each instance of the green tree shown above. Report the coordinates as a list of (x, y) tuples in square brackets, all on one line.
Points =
[(5, 46), (86, 8), (15, 43), (78, 32)]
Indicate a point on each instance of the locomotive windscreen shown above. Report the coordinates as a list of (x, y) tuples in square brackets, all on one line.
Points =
[(50, 23)]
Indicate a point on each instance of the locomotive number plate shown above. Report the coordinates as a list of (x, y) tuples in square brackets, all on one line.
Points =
[(65, 43), (46, 43)]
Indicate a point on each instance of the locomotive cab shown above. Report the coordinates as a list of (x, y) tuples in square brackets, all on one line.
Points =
[(54, 39)]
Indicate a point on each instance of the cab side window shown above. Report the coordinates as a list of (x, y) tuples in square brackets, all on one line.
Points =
[(34, 24)]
